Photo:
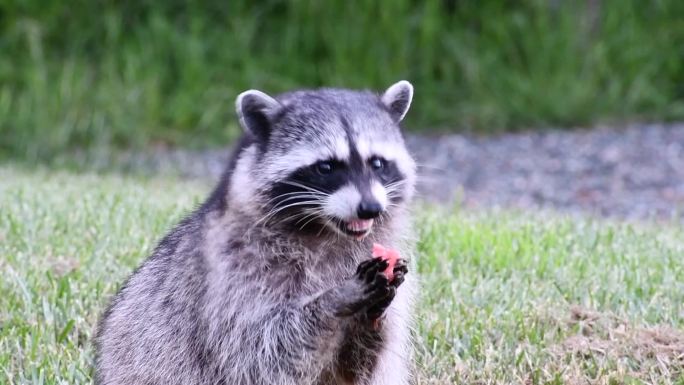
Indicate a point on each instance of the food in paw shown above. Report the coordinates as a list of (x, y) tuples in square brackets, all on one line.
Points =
[(389, 255)]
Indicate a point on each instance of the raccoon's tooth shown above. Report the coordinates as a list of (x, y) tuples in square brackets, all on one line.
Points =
[(360, 224)]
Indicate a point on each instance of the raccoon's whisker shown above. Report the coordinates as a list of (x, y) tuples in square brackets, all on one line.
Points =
[(396, 183), (309, 198), (327, 222), (307, 212), (309, 188), (271, 216), (292, 217), (302, 196), (330, 222), (313, 215), (279, 208), (307, 222), (394, 186), (310, 218), (393, 195), (296, 193), (337, 223), (295, 199), (275, 210)]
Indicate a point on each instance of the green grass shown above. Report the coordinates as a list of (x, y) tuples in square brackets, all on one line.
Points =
[(507, 297), (98, 74)]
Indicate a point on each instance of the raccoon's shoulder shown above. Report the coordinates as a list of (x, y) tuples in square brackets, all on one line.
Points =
[(218, 199)]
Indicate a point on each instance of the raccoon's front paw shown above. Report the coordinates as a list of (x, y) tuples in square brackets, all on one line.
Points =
[(399, 272), (368, 287)]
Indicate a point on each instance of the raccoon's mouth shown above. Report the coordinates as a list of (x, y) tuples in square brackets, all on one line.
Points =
[(357, 228)]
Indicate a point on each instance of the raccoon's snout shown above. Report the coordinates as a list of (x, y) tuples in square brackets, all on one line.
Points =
[(369, 210)]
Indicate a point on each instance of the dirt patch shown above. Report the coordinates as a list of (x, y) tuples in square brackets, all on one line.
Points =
[(652, 353)]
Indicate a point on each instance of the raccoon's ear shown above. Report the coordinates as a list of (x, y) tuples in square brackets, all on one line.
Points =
[(255, 110), (397, 98)]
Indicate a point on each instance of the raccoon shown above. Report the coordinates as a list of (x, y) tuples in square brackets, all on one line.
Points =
[(271, 280)]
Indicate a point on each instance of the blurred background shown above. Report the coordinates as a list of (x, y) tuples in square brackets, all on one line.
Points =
[(84, 81)]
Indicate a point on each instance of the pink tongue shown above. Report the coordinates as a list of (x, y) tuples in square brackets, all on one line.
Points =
[(360, 224)]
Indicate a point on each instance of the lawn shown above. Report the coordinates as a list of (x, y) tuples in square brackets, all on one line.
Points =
[(507, 297)]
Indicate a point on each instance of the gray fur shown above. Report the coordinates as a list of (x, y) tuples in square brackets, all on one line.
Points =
[(236, 296)]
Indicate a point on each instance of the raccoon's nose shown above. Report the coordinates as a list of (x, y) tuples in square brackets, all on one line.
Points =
[(369, 210)]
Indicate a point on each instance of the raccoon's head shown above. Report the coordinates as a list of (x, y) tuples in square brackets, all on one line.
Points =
[(324, 160)]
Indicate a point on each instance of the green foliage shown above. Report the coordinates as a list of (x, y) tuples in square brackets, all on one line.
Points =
[(498, 288), (105, 73)]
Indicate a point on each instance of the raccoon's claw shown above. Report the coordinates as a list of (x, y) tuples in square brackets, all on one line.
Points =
[(375, 284), (367, 270), (366, 288), (399, 277), (400, 271)]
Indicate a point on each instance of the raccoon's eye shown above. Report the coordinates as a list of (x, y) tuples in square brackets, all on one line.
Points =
[(324, 167), (377, 163)]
